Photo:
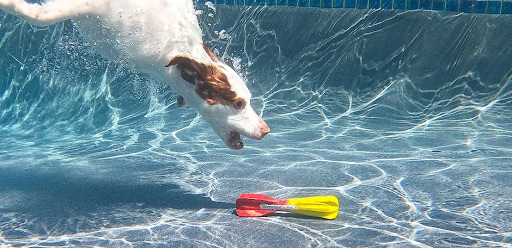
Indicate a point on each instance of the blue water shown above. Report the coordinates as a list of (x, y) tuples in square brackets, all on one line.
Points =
[(405, 116)]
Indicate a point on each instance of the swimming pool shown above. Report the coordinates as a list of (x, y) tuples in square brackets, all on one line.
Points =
[(404, 115)]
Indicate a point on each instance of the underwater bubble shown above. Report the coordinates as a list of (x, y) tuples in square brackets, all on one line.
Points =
[(210, 6)]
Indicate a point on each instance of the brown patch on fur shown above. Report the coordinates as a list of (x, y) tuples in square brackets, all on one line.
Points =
[(210, 53), (211, 84)]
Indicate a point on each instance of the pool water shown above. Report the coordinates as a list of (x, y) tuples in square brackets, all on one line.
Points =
[(405, 116)]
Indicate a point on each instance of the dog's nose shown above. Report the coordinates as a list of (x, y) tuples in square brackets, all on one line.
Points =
[(264, 129)]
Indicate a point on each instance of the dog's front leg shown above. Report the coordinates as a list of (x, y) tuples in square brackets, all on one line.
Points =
[(53, 11)]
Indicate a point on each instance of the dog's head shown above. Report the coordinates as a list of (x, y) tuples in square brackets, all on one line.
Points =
[(221, 97)]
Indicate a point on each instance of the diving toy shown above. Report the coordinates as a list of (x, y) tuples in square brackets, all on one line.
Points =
[(258, 205)]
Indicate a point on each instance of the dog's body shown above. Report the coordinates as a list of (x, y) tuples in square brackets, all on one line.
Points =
[(161, 38)]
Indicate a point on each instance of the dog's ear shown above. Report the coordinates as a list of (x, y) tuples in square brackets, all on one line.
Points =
[(210, 53), (191, 70), (211, 84)]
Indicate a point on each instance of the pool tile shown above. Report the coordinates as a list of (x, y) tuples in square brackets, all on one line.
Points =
[(493, 7), (303, 3), (374, 4), (350, 4), (506, 7), (362, 4), (314, 3), (271, 2), (439, 5), (281, 3), (452, 5), (293, 3), (412, 4), (338, 3), (326, 3), (399, 4), (466, 6), (387, 4), (480, 7), (426, 4)]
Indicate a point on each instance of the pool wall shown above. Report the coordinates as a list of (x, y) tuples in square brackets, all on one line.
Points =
[(465, 6)]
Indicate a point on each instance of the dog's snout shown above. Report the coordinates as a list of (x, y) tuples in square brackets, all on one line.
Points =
[(264, 132), (264, 129)]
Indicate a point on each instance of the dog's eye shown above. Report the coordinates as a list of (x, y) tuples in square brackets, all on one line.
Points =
[(239, 103)]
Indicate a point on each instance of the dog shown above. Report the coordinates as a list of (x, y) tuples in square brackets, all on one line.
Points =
[(163, 39)]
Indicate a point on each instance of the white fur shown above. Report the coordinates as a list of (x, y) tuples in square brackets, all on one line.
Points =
[(146, 35)]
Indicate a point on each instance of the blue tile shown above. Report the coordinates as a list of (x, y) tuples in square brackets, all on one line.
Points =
[(350, 4), (239, 2), (506, 7), (326, 3), (399, 4), (413, 4), (426, 4), (338, 3), (362, 4), (230, 2), (292, 2), (387, 4), (439, 5), (493, 7), (281, 3), (303, 3), (480, 7), (201, 1), (452, 5), (249, 2), (271, 2), (315, 3), (374, 4), (220, 1), (466, 6)]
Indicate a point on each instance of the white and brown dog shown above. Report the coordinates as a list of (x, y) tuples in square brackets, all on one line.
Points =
[(161, 38)]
